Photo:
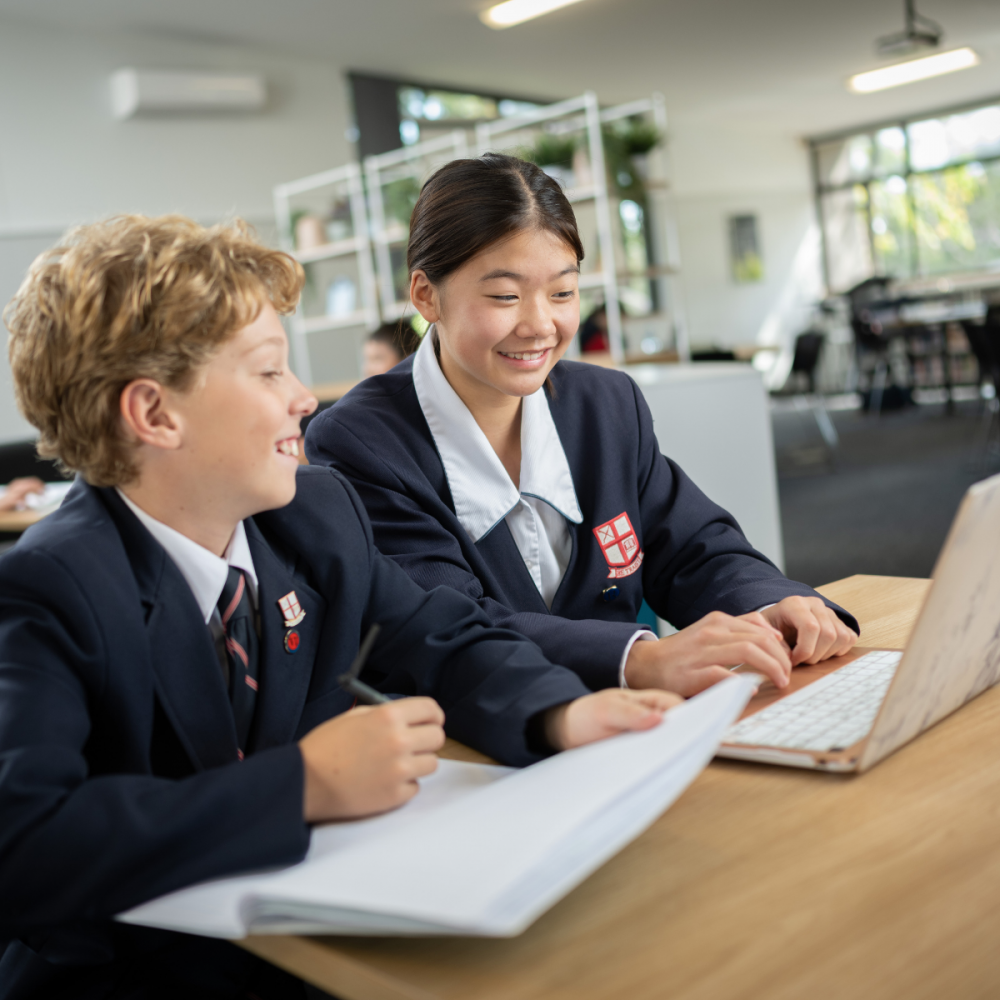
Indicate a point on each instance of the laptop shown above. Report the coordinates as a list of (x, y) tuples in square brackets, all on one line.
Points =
[(848, 713)]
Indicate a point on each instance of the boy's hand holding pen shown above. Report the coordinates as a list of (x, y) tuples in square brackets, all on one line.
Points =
[(368, 760)]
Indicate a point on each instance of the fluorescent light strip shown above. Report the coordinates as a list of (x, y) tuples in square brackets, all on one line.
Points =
[(506, 15), (913, 70)]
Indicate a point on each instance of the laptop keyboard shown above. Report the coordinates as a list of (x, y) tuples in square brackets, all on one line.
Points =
[(830, 714)]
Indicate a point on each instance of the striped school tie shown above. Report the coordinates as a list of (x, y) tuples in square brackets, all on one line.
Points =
[(242, 652)]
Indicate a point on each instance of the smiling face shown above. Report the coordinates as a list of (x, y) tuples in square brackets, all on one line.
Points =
[(505, 317), (239, 422)]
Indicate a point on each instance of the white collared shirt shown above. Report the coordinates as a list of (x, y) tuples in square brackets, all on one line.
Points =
[(483, 493), (537, 512), (204, 571)]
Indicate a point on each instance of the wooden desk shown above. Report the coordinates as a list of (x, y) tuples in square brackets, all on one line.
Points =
[(18, 520), (760, 882), (330, 392)]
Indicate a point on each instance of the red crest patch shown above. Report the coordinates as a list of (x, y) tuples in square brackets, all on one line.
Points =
[(620, 546)]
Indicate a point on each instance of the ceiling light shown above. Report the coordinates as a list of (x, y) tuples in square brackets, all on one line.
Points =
[(913, 70), (506, 15)]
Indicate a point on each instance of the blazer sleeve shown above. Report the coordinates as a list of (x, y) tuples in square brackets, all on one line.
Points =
[(79, 845), (439, 643), (697, 559), (432, 556)]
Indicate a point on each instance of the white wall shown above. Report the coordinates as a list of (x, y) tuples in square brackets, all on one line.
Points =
[(721, 170), (65, 160)]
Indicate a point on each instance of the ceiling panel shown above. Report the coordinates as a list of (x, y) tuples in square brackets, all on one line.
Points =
[(776, 65)]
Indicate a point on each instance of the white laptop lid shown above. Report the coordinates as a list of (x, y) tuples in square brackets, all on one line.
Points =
[(954, 651)]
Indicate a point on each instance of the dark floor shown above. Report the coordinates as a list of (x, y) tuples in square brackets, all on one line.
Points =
[(886, 504)]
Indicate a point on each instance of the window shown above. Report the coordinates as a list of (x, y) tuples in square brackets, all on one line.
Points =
[(389, 112), (424, 112), (915, 198)]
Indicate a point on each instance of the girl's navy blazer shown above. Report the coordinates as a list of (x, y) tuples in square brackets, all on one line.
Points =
[(694, 557), (119, 773)]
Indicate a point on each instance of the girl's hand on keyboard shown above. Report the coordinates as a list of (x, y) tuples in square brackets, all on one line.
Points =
[(698, 657), (812, 630)]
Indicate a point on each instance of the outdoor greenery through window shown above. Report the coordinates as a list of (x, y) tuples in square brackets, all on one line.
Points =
[(915, 198), (425, 112)]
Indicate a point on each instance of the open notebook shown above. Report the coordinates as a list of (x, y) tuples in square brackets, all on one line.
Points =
[(481, 850)]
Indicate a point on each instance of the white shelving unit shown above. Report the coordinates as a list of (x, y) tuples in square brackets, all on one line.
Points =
[(411, 163), (665, 265), (343, 182), (382, 228)]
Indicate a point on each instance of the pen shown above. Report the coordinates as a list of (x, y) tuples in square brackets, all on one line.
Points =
[(349, 681)]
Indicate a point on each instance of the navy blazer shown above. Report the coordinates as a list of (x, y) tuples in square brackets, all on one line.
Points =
[(695, 558), (119, 777)]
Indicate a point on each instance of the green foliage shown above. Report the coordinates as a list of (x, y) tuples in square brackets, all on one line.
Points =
[(640, 136), (943, 216), (748, 268), (399, 198), (551, 150), (623, 141)]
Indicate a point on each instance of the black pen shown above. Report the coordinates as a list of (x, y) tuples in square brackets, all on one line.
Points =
[(349, 681)]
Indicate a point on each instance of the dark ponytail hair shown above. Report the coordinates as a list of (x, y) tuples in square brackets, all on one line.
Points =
[(468, 205)]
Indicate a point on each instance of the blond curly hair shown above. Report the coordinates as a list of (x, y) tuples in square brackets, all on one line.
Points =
[(130, 297)]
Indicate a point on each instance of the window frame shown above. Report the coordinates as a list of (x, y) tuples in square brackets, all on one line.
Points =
[(821, 189)]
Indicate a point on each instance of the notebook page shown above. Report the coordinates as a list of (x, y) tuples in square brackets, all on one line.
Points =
[(455, 867), (484, 851), (538, 889), (217, 908)]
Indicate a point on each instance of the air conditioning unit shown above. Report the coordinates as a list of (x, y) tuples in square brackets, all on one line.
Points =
[(139, 91)]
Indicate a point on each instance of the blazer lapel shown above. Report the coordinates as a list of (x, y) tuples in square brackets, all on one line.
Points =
[(564, 592), (285, 670), (501, 555), (186, 674)]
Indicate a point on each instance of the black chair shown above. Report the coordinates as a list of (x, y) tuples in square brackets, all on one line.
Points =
[(805, 361), (984, 339), (19, 459), (869, 302), (713, 354)]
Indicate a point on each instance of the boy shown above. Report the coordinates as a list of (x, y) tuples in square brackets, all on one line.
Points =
[(171, 637)]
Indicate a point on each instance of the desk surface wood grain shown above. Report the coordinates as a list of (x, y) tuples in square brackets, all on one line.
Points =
[(759, 882), (18, 520)]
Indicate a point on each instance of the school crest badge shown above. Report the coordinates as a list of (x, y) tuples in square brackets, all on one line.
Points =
[(620, 546), (291, 610)]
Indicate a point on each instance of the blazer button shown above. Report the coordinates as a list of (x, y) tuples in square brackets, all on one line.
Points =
[(609, 594)]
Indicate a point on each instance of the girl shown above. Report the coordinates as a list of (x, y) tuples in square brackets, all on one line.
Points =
[(535, 485)]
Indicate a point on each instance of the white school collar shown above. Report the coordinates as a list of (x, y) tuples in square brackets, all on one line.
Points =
[(204, 571), (481, 490)]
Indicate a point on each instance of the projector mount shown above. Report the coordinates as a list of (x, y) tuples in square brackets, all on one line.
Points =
[(920, 33)]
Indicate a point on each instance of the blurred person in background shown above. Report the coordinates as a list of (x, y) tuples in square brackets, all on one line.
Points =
[(13, 496), (387, 346)]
